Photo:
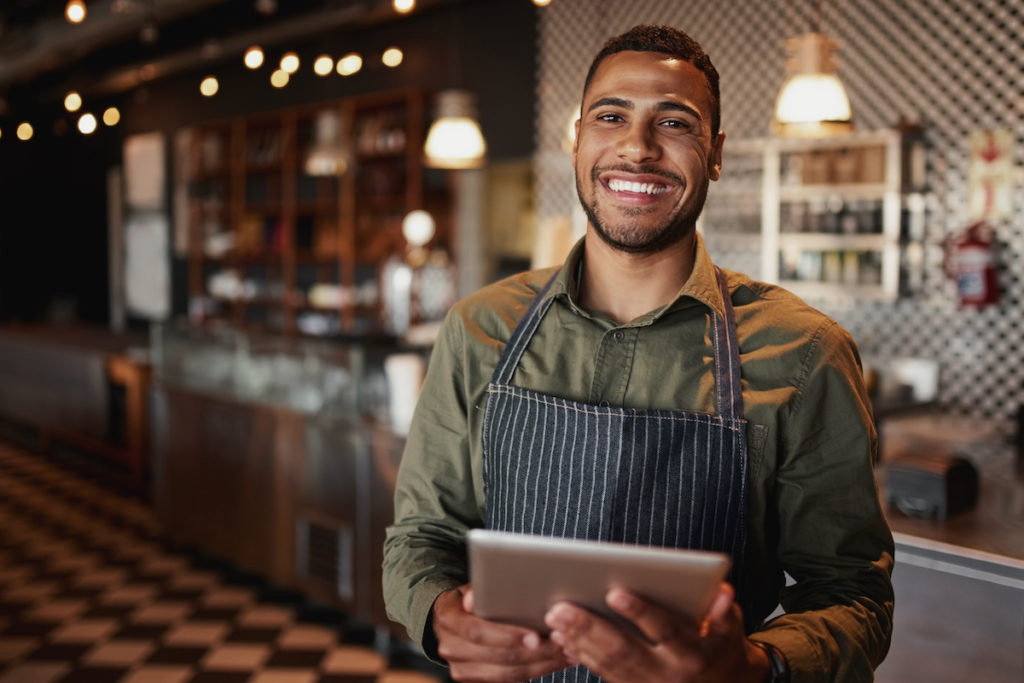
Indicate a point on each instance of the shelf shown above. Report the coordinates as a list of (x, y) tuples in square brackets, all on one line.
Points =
[(834, 290), (820, 241), (289, 227), (802, 193)]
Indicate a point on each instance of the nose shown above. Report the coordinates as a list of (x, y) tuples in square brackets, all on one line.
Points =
[(638, 144)]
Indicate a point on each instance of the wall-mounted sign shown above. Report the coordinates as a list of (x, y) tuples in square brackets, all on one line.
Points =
[(990, 175)]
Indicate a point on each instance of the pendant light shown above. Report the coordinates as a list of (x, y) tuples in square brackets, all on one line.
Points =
[(454, 139), (330, 153), (812, 101)]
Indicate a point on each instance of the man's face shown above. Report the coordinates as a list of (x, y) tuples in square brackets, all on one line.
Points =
[(643, 154)]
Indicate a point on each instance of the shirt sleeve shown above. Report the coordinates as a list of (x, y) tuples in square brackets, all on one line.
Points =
[(435, 497), (834, 542)]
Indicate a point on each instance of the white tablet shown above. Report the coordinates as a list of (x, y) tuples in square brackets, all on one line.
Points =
[(517, 577)]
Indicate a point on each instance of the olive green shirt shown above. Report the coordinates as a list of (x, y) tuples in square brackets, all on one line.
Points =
[(813, 507)]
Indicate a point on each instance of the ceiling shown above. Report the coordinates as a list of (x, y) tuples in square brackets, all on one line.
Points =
[(122, 42)]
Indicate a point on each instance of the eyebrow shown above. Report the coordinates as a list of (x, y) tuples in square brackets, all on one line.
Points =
[(664, 105)]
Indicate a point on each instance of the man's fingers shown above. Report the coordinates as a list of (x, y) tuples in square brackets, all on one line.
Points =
[(658, 624)]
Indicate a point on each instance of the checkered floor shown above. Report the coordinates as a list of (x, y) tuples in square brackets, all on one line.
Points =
[(89, 593)]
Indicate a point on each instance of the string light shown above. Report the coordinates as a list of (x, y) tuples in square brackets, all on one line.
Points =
[(403, 6), (279, 78), (209, 86), (74, 11), (350, 64), (25, 131), (290, 63), (72, 101), (254, 57), (392, 57), (111, 116), (87, 124), (323, 65), (542, 3)]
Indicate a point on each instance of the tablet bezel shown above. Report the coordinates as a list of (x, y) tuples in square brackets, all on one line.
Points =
[(516, 578)]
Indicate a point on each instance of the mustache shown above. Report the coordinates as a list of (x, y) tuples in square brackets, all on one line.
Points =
[(642, 169)]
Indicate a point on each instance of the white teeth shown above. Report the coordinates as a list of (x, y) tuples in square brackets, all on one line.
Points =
[(627, 186)]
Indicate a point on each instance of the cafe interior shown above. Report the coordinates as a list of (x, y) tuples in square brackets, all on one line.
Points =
[(230, 230)]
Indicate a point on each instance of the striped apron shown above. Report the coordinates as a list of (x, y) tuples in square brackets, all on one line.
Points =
[(559, 468)]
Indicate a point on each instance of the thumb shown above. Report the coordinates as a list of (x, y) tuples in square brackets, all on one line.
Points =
[(467, 600), (721, 606)]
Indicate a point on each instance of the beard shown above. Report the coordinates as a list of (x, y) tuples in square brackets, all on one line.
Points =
[(630, 234)]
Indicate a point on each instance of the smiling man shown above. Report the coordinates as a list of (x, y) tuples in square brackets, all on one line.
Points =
[(641, 394)]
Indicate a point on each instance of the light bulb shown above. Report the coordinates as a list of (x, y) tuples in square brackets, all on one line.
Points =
[(74, 11), (290, 63), (418, 227), (209, 86), (111, 116), (87, 124), (279, 78), (254, 57), (350, 64), (403, 6), (25, 131), (323, 65), (72, 101), (392, 57)]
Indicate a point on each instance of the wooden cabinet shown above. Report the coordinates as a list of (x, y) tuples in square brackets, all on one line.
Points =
[(834, 213), (275, 244)]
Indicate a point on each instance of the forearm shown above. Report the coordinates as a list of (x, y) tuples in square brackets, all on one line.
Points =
[(839, 643), (420, 563)]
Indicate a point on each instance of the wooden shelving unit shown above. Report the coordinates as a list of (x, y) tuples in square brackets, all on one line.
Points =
[(274, 248)]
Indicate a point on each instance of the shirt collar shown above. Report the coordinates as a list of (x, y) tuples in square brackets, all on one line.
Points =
[(701, 286)]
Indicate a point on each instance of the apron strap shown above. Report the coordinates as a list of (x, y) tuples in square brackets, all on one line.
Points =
[(727, 356), (522, 335), (727, 348)]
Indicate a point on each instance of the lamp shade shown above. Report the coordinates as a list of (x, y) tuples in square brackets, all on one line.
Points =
[(454, 139), (329, 154), (812, 101)]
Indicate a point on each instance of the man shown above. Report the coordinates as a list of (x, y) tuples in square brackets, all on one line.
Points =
[(698, 408)]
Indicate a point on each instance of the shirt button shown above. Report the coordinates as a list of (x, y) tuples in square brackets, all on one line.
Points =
[(619, 335), (604, 404)]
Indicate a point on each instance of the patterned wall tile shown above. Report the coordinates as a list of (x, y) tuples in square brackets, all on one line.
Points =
[(952, 66)]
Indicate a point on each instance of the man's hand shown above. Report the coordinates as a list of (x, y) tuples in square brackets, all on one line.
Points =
[(680, 649), (483, 651)]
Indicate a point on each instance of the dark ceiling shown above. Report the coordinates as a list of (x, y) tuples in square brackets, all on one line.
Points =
[(40, 52)]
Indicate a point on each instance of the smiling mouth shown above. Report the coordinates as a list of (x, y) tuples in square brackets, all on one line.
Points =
[(618, 185)]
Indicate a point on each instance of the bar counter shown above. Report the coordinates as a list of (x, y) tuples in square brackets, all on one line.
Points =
[(959, 581)]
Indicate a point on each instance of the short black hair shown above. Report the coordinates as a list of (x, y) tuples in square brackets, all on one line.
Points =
[(670, 41)]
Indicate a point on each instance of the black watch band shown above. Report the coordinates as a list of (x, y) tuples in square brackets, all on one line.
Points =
[(780, 667)]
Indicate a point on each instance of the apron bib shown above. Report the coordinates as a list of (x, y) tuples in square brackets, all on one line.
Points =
[(566, 469)]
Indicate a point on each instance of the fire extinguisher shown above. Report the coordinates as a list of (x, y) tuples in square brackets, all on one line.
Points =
[(970, 260)]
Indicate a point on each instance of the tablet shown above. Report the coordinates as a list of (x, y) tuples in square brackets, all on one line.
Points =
[(517, 577)]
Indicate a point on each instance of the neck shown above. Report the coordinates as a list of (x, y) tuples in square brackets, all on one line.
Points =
[(625, 286)]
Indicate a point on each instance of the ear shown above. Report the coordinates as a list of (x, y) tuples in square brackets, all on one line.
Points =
[(715, 158), (575, 142)]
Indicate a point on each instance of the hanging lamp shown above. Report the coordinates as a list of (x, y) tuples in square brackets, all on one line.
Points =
[(330, 153), (812, 102), (454, 139)]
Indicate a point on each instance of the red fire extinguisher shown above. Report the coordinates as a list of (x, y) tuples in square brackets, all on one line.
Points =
[(970, 260)]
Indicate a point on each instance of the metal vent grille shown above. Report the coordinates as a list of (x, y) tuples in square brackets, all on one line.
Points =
[(325, 555)]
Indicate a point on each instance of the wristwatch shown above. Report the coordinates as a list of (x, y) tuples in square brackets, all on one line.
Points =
[(780, 667)]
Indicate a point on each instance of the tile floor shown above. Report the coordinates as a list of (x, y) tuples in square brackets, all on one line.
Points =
[(90, 593)]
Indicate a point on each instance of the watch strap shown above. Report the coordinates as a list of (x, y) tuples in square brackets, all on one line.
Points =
[(780, 667)]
